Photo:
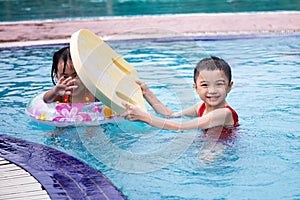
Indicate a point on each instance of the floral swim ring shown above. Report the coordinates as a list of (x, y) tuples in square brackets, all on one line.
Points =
[(65, 114)]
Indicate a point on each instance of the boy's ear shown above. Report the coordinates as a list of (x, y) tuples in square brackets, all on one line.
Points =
[(230, 86), (195, 86)]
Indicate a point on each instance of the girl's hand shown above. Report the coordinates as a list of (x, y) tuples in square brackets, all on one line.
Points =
[(64, 86), (134, 113)]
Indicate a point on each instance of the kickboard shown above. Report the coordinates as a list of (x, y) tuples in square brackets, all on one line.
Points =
[(105, 73)]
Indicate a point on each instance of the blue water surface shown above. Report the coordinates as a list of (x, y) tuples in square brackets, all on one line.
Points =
[(263, 162), (18, 10)]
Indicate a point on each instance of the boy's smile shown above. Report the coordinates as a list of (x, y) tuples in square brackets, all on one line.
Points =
[(212, 87)]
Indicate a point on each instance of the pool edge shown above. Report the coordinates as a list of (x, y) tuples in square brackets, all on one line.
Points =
[(205, 26), (60, 174)]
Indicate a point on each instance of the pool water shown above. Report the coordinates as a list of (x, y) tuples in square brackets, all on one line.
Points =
[(18, 10), (263, 162)]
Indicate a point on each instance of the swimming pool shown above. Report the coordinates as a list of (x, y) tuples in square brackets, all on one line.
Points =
[(263, 162), (18, 10)]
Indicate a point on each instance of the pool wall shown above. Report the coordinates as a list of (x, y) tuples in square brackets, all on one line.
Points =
[(157, 26)]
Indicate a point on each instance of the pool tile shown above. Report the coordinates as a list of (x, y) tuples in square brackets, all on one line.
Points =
[(63, 176)]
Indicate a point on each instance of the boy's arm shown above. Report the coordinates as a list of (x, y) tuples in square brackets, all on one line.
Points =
[(162, 109), (191, 111), (219, 117), (213, 119), (155, 103)]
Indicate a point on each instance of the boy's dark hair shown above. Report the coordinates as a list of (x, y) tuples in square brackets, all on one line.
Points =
[(212, 63), (63, 53)]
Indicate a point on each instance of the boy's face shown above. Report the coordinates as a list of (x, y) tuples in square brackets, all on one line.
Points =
[(69, 72), (213, 87)]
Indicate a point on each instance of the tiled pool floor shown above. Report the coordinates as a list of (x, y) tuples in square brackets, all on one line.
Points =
[(61, 175)]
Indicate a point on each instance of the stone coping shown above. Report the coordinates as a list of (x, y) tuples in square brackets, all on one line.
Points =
[(152, 26)]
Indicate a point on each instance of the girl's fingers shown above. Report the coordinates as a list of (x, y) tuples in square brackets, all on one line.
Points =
[(67, 93), (66, 81), (69, 81), (60, 80), (71, 87)]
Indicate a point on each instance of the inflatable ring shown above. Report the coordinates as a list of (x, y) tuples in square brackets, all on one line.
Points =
[(65, 114)]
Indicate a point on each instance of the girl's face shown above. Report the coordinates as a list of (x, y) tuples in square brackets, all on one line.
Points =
[(70, 72), (213, 87)]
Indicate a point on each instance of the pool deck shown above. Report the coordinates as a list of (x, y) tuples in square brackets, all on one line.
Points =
[(16, 183), (138, 27)]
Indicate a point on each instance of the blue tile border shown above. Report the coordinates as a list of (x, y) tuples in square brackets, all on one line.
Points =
[(170, 39), (61, 175)]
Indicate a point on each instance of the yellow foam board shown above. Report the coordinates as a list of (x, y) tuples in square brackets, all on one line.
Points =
[(105, 73)]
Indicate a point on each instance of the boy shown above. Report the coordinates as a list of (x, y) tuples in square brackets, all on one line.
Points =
[(212, 82)]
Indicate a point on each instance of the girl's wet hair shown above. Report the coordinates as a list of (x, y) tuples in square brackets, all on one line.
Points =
[(212, 63), (63, 54)]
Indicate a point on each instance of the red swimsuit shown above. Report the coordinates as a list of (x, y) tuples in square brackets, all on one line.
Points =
[(222, 132), (86, 99)]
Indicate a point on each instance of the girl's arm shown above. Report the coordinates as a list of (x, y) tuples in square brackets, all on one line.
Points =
[(219, 117), (50, 96), (160, 108)]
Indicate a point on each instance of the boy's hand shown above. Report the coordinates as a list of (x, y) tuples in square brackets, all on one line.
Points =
[(64, 86), (134, 113), (144, 87)]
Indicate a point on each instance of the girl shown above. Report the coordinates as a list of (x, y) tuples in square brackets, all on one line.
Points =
[(69, 88)]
